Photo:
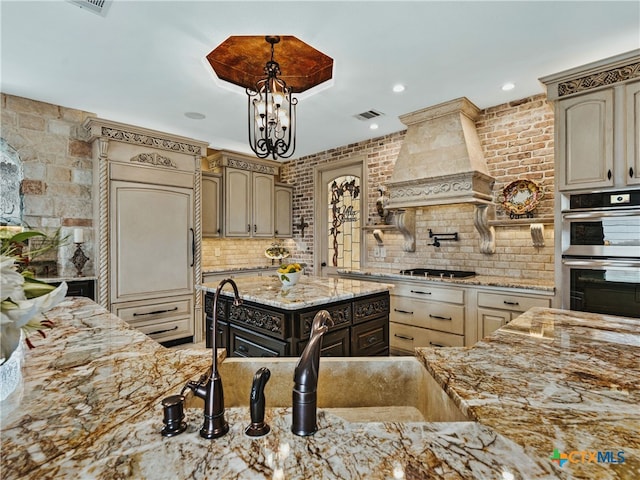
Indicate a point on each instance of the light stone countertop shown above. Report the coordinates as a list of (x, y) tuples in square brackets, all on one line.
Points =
[(393, 274), (552, 380), (310, 291)]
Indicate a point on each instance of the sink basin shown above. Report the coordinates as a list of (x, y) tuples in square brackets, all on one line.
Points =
[(358, 389)]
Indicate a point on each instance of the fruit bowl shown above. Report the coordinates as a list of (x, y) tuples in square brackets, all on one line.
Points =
[(289, 274)]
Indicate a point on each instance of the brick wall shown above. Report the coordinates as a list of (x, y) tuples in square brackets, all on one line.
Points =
[(57, 169), (517, 139)]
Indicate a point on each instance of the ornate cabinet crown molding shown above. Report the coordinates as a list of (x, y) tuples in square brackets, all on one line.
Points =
[(154, 159)]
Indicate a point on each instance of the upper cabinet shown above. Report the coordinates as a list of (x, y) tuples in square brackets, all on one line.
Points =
[(283, 211), (248, 194), (597, 128), (211, 203)]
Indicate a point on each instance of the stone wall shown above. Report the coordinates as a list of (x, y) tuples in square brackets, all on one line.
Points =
[(57, 166)]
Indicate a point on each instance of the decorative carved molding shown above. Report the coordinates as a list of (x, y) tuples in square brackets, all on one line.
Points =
[(419, 192), (154, 159), (487, 232), (599, 79), (261, 319), (371, 308), (405, 221), (104, 259), (157, 142), (241, 164), (341, 315)]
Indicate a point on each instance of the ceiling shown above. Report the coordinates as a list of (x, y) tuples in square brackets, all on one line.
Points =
[(144, 61)]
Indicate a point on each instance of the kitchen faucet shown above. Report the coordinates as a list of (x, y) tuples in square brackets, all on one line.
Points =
[(305, 378), (210, 389)]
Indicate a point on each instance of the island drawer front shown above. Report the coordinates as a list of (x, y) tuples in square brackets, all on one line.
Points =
[(370, 308), (256, 318), (222, 335), (506, 301), (370, 338), (406, 338), (429, 292), (334, 344), (340, 314), (439, 316), (244, 343), (154, 311)]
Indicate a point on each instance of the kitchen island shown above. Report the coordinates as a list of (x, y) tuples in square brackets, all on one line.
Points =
[(553, 380), (276, 321)]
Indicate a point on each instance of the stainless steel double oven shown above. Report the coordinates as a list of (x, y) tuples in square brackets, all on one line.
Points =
[(601, 253)]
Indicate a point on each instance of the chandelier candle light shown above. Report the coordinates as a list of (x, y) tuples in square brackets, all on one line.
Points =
[(272, 112)]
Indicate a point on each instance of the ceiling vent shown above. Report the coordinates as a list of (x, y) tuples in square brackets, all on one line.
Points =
[(368, 115), (96, 6)]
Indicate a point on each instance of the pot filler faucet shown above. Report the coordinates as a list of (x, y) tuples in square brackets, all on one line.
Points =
[(305, 378), (210, 389)]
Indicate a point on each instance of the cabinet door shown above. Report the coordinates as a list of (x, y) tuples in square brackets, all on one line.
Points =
[(632, 133), (284, 211), (151, 245), (237, 205), (491, 320), (585, 141), (211, 195), (263, 205)]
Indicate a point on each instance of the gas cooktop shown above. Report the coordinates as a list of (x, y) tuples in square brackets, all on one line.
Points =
[(433, 272)]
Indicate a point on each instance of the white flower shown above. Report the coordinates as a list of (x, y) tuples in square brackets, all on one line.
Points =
[(19, 313)]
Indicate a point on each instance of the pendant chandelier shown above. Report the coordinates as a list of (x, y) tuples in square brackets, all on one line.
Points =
[(272, 113)]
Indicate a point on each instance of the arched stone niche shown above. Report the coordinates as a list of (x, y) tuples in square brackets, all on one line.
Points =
[(11, 175)]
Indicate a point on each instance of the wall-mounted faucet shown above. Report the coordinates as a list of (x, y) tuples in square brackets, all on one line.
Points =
[(210, 388), (305, 378)]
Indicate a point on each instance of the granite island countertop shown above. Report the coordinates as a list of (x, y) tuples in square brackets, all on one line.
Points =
[(91, 409), (310, 291)]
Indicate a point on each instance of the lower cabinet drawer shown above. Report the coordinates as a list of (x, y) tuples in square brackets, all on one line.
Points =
[(370, 338), (405, 338), (507, 301), (244, 343), (161, 320), (435, 315), (165, 331)]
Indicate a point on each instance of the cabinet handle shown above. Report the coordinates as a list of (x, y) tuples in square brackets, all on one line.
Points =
[(421, 293), (609, 174), (164, 331), (248, 228), (630, 172), (433, 344), (242, 348), (156, 312), (372, 339), (193, 247), (403, 337), (402, 311), (255, 228), (510, 303), (438, 317), (276, 232)]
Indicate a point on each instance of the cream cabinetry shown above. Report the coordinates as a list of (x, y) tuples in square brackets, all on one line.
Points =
[(496, 309), (632, 125), (424, 315), (597, 123), (148, 226), (585, 140), (211, 205), (283, 211), (248, 194)]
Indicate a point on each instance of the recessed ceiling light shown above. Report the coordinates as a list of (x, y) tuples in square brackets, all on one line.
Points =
[(195, 115), (373, 126), (398, 88), (508, 86)]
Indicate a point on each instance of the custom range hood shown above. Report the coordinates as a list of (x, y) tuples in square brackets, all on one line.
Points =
[(441, 162)]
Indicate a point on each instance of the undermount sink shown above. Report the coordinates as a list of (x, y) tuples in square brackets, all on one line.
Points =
[(358, 389)]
